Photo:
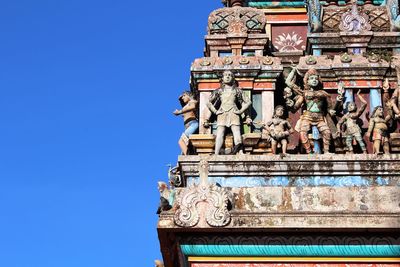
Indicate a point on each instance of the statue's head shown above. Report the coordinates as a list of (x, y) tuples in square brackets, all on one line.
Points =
[(312, 80), (287, 92), (228, 77), (279, 111), (161, 186), (185, 97), (377, 112), (351, 107)]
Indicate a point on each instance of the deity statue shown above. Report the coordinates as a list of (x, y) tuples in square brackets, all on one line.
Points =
[(228, 103), (318, 109), (279, 130), (352, 129), (378, 130), (188, 111)]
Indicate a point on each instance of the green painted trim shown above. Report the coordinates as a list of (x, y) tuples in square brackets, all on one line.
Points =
[(276, 4), (293, 250)]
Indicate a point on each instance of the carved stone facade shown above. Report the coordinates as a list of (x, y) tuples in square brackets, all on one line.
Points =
[(295, 161)]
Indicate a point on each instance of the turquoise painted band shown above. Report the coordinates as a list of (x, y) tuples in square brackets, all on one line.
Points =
[(293, 250)]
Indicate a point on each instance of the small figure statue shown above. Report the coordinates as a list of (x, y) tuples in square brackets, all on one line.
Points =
[(318, 107), (166, 197), (279, 130), (190, 121), (378, 131), (232, 104), (352, 128)]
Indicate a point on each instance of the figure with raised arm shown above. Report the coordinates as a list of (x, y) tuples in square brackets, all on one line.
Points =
[(378, 130), (317, 105), (228, 103), (352, 129), (188, 111)]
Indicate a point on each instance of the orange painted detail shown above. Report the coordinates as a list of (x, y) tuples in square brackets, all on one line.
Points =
[(287, 17), (263, 86), (246, 84), (204, 86), (355, 84)]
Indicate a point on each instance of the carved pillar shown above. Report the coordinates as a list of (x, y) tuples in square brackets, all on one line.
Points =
[(267, 105)]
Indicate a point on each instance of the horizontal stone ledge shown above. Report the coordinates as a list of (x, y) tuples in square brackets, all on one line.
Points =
[(293, 165), (304, 221)]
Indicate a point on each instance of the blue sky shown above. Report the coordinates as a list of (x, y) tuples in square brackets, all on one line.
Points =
[(86, 130)]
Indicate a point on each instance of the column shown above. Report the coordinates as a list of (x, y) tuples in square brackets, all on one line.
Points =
[(267, 105)]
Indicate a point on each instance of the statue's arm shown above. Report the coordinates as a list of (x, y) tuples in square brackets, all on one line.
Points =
[(394, 100), (340, 123), (298, 103), (371, 126), (213, 98), (289, 128), (290, 79), (189, 107), (246, 103)]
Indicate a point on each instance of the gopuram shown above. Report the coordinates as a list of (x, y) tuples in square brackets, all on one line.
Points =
[(290, 139)]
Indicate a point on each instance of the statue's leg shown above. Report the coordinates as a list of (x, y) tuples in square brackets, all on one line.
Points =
[(284, 146), (237, 138), (273, 146), (304, 128), (361, 143), (323, 128), (377, 146), (386, 148), (349, 143), (219, 140)]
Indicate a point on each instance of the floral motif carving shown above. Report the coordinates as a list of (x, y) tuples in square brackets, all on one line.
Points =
[(354, 21), (216, 200), (288, 42)]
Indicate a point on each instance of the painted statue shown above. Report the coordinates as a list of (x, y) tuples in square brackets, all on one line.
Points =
[(279, 130), (228, 103), (317, 107), (378, 131), (188, 111), (350, 121), (167, 197)]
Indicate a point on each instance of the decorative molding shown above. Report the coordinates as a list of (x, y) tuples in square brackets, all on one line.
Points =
[(295, 165), (293, 250), (213, 199), (388, 239), (353, 21), (236, 20)]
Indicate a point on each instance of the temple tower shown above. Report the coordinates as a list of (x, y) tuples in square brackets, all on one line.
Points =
[(290, 155)]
